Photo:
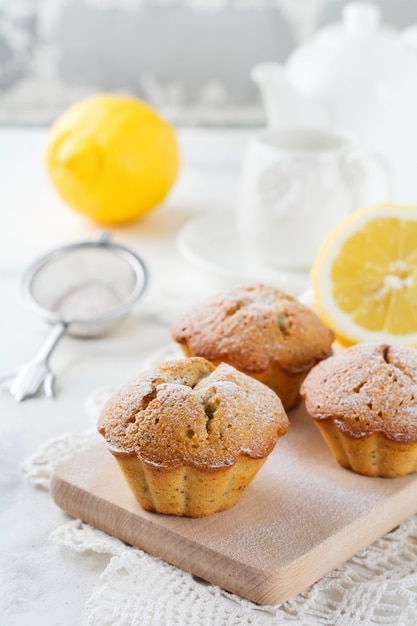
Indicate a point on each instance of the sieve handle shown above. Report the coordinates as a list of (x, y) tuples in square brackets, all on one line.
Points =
[(50, 342), (35, 373)]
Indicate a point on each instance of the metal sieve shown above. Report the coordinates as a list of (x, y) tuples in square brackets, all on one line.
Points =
[(82, 289)]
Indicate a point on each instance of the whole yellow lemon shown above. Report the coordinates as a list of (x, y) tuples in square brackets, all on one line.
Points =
[(112, 158)]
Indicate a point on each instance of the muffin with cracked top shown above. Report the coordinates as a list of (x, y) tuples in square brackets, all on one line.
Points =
[(364, 403), (189, 437), (259, 330)]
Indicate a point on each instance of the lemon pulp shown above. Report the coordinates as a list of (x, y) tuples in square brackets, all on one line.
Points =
[(365, 276)]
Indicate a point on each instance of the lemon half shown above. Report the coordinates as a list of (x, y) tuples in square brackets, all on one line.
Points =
[(365, 276), (112, 158)]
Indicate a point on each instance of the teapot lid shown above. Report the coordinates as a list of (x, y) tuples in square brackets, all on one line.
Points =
[(360, 24), (357, 49)]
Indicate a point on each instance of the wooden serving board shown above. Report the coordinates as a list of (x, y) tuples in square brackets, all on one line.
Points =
[(301, 517)]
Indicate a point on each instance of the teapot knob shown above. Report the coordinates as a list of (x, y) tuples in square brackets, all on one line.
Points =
[(409, 38), (361, 18)]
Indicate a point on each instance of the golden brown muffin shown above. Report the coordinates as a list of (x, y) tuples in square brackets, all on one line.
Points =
[(190, 437), (364, 402), (261, 331)]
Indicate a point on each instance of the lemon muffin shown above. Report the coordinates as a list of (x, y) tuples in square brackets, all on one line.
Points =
[(259, 330), (189, 437), (364, 402)]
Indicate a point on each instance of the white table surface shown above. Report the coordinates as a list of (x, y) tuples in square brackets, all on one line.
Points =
[(41, 583), (38, 584)]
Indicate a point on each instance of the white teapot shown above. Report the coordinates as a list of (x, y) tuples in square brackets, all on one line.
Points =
[(356, 75)]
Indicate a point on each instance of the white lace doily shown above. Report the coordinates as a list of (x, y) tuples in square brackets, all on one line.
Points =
[(377, 586)]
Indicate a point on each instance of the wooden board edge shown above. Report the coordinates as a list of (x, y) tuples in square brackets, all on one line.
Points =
[(266, 587), (176, 549), (317, 568)]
